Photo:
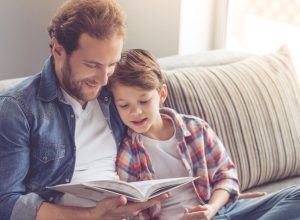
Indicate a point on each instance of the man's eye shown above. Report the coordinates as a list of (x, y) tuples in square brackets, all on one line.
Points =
[(92, 66)]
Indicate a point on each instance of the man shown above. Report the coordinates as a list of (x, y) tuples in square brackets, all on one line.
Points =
[(60, 125)]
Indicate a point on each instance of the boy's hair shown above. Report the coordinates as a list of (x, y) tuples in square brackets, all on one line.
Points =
[(138, 68), (98, 18)]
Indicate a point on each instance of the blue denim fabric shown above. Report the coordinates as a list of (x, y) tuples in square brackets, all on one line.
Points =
[(284, 204), (37, 147)]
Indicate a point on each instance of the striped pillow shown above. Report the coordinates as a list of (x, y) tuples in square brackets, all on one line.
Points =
[(254, 107)]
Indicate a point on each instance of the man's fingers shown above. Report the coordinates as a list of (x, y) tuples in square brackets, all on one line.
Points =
[(149, 203), (251, 195), (124, 209), (114, 202)]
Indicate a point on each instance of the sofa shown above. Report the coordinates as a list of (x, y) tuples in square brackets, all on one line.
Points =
[(252, 103)]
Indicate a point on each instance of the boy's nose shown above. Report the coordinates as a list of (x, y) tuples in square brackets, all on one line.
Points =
[(136, 111)]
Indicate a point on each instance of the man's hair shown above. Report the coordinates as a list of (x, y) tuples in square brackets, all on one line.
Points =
[(138, 68), (101, 19)]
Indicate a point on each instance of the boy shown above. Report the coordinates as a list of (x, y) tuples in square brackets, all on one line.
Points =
[(162, 143)]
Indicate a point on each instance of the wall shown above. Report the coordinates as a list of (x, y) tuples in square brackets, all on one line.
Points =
[(165, 27), (153, 25), (24, 39)]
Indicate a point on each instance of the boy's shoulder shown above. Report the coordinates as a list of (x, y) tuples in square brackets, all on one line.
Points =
[(184, 119)]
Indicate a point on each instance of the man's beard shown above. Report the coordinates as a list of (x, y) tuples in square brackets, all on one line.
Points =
[(74, 88)]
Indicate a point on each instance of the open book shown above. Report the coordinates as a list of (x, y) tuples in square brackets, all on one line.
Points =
[(134, 191)]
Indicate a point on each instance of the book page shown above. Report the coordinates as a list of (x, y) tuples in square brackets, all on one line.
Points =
[(120, 187), (159, 186), (83, 192), (134, 191)]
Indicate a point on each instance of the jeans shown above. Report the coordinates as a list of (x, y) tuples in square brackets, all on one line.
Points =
[(284, 204)]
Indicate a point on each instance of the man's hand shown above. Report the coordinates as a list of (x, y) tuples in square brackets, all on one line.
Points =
[(118, 208), (108, 209), (251, 195)]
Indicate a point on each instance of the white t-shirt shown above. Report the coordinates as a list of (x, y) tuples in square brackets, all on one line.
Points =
[(167, 164), (96, 149)]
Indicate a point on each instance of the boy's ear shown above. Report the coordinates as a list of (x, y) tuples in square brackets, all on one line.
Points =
[(58, 51), (163, 93)]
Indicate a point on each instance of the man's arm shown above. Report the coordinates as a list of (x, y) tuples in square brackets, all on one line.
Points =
[(14, 159), (107, 209)]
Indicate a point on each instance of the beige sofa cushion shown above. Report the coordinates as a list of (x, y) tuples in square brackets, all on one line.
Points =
[(9, 83), (254, 107)]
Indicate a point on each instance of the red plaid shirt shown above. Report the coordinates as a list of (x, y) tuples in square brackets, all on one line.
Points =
[(201, 151)]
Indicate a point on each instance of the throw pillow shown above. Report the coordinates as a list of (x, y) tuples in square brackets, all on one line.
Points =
[(254, 107)]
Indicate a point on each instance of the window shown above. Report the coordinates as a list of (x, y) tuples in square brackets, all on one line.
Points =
[(261, 26)]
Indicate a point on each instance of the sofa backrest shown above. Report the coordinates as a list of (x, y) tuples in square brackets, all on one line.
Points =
[(9, 83), (253, 104)]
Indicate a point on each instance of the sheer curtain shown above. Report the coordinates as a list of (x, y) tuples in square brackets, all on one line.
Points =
[(262, 26)]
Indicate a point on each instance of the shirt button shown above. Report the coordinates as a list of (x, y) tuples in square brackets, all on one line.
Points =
[(67, 180), (106, 98), (72, 115), (45, 158)]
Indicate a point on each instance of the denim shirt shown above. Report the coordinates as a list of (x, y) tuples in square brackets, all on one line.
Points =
[(37, 147)]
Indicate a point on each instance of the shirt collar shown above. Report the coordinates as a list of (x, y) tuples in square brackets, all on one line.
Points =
[(49, 86)]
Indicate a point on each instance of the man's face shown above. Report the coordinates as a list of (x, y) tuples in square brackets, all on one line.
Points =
[(86, 70)]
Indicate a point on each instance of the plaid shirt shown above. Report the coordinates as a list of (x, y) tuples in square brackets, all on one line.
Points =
[(201, 152)]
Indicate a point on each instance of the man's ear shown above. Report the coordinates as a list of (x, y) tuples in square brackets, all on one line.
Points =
[(163, 93), (58, 51)]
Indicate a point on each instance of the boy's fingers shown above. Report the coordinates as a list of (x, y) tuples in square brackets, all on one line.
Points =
[(195, 215), (196, 209), (251, 195)]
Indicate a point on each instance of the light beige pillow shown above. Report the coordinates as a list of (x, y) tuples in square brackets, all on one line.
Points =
[(254, 107)]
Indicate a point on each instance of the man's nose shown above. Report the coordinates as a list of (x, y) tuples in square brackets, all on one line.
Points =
[(103, 75)]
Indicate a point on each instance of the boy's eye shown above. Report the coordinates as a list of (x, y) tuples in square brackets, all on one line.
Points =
[(123, 106), (144, 102)]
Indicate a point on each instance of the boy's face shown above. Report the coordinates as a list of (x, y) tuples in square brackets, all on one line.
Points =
[(139, 108), (83, 73)]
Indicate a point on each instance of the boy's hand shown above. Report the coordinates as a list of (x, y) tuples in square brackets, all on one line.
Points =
[(200, 212)]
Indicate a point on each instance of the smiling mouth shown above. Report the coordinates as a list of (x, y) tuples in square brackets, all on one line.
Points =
[(140, 122), (92, 84)]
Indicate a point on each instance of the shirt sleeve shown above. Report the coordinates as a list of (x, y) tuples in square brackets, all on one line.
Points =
[(14, 163), (221, 170), (126, 162)]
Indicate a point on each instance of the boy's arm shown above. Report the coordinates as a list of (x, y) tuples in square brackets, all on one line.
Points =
[(221, 169), (218, 199)]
